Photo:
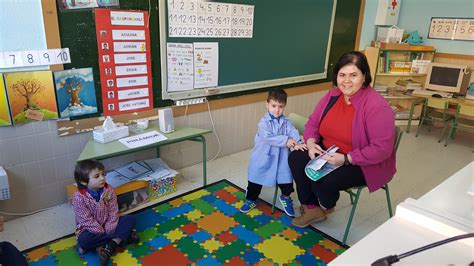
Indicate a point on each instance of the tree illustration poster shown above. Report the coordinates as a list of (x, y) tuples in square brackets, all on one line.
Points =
[(4, 110), (75, 92), (31, 96)]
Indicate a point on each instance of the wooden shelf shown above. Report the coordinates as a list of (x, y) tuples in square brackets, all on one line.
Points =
[(397, 74)]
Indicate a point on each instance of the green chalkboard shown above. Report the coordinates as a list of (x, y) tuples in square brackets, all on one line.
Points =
[(77, 30), (290, 43)]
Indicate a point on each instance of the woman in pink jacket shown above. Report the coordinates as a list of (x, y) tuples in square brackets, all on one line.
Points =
[(357, 119)]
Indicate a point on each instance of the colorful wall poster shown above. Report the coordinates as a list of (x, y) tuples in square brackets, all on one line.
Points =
[(123, 38), (31, 96), (4, 110), (75, 92)]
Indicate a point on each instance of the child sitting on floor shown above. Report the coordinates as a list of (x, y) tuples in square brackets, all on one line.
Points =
[(268, 164), (98, 225)]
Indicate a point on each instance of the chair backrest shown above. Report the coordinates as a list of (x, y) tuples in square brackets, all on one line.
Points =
[(298, 121), (437, 103)]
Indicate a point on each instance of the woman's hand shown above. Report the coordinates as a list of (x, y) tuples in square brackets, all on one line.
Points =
[(335, 158), (314, 149)]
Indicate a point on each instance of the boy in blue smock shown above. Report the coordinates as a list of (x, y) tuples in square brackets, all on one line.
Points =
[(268, 164)]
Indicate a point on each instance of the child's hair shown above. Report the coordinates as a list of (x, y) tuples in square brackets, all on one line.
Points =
[(278, 95), (83, 168)]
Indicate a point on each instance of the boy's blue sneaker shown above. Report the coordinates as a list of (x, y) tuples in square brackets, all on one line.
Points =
[(287, 204), (248, 205)]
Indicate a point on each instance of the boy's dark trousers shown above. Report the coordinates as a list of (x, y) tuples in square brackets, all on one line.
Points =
[(10, 255), (253, 190), (89, 241)]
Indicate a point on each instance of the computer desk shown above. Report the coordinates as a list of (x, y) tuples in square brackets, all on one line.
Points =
[(421, 99), (99, 151)]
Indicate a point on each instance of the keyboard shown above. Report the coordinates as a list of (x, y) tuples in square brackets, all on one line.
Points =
[(430, 93)]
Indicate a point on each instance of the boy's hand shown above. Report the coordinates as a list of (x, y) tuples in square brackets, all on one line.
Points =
[(291, 143), (301, 147)]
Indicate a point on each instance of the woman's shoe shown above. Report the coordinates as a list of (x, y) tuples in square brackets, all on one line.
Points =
[(309, 216)]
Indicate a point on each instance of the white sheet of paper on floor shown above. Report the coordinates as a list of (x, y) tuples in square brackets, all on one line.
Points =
[(4, 186)]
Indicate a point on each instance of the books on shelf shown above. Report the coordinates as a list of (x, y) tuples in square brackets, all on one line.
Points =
[(409, 83), (420, 66)]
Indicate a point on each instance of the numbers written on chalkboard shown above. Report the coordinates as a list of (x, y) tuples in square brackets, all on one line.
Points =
[(34, 58), (452, 29)]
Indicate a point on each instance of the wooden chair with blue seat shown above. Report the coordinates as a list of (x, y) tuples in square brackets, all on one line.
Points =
[(464, 118), (435, 111), (354, 193)]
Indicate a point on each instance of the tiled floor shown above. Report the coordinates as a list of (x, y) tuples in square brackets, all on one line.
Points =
[(422, 164)]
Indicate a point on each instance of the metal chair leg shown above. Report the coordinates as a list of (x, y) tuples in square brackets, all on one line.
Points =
[(354, 206), (274, 198), (389, 202)]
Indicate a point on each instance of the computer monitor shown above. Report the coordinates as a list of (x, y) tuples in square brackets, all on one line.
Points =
[(448, 78)]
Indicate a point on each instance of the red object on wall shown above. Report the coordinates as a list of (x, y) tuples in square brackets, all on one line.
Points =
[(123, 40)]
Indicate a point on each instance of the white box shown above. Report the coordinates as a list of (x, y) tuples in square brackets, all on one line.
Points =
[(387, 12), (107, 135), (4, 186), (390, 34)]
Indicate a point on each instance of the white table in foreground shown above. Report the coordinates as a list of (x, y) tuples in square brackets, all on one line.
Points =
[(450, 201)]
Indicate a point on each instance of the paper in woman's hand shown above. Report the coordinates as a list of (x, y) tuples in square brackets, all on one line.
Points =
[(319, 167)]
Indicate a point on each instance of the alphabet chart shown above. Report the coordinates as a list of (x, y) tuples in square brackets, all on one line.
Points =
[(34, 58), (193, 18), (124, 60), (452, 29)]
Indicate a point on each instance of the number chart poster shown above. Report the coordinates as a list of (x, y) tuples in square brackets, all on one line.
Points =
[(4, 110), (31, 96), (123, 39)]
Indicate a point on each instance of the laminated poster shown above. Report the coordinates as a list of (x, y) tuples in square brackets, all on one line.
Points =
[(75, 92), (31, 96), (123, 38), (4, 110)]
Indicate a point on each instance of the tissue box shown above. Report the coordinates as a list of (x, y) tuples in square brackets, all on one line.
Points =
[(103, 136), (390, 35), (161, 187)]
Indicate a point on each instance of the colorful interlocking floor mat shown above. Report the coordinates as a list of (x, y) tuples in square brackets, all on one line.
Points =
[(205, 227)]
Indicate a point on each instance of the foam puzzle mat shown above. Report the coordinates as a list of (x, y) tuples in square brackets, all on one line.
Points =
[(205, 227)]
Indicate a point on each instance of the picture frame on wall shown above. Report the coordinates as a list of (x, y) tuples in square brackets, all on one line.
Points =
[(83, 4)]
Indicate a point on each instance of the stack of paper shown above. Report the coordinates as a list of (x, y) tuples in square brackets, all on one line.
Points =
[(153, 169)]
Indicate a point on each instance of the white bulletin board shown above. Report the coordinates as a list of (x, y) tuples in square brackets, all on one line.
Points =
[(452, 29)]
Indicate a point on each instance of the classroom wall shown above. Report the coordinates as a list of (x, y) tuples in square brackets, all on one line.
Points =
[(416, 15)]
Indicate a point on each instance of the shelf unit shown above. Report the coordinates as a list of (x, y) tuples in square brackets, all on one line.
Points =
[(389, 66)]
